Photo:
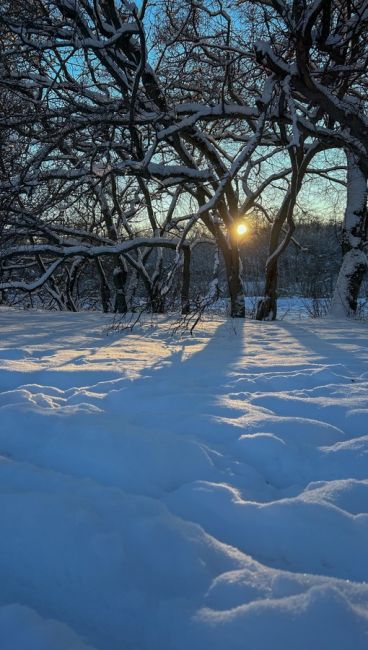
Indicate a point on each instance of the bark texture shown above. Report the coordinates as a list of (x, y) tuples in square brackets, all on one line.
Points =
[(354, 241)]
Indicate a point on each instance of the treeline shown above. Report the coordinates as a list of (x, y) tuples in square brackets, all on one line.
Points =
[(308, 269)]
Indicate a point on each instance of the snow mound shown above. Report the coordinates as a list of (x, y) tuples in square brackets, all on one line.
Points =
[(21, 627)]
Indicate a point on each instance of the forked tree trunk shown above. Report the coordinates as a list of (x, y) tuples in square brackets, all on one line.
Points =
[(267, 306), (354, 240)]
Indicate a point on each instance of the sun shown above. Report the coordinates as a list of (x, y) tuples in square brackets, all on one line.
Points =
[(241, 229)]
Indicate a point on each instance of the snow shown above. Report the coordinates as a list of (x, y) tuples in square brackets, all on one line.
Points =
[(163, 492)]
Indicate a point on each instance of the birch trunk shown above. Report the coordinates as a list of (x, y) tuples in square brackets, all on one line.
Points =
[(354, 239)]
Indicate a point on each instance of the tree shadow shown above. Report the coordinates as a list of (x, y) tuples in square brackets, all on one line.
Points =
[(329, 342)]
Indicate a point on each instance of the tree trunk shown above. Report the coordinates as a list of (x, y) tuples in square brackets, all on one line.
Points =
[(157, 301), (120, 275), (185, 302), (230, 252), (104, 287), (233, 271), (267, 306), (354, 239)]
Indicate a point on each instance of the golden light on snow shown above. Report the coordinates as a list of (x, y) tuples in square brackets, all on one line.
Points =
[(241, 229)]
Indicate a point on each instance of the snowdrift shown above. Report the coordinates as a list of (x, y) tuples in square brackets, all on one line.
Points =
[(166, 493)]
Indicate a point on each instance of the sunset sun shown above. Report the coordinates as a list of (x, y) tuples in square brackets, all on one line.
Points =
[(241, 229)]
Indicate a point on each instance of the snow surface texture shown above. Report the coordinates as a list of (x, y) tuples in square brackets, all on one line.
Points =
[(160, 493)]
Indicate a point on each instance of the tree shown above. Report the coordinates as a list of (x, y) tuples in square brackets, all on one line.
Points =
[(319, 50), (134, 130), (354, 241)]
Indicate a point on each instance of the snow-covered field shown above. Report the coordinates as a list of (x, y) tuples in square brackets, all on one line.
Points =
[(195, 493)]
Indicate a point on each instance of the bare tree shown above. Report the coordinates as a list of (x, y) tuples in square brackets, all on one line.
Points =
[(134, 130), (319, 50)]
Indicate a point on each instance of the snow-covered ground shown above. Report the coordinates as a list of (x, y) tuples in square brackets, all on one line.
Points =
[(167, 493)]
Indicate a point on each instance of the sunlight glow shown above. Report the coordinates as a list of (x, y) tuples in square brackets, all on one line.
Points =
[(241, 229)]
